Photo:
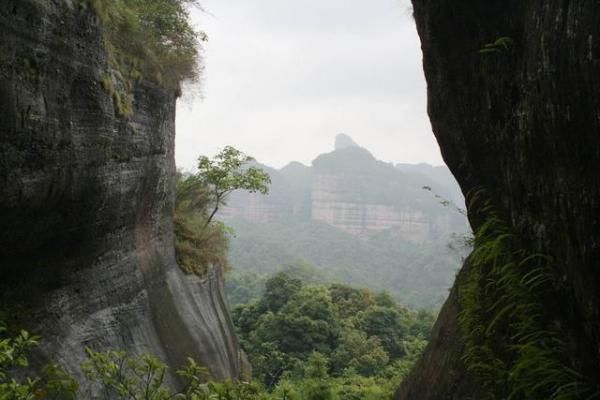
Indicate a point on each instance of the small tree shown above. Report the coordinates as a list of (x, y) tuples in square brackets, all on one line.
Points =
[(228, 172)]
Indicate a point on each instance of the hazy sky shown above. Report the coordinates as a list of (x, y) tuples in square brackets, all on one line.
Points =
[(284, 77)]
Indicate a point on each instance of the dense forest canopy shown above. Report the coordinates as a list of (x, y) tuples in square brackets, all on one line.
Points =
[(415, 274), (352, 333)]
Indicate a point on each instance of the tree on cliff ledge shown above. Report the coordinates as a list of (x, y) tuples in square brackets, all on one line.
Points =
[(199, 244), (226, 173)]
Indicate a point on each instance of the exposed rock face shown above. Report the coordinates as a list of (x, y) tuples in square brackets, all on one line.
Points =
[(522, 121), (86, 202), (331, 204), (360, 195), (351, 190)]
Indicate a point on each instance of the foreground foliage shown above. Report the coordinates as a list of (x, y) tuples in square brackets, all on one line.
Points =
[(122, 376), (114, 374), (118, 375), (110, 374), (15, 381)]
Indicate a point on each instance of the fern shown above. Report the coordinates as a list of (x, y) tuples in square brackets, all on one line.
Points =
[(510, 341)]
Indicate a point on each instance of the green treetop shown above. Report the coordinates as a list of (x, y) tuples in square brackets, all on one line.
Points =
[(229, 171)]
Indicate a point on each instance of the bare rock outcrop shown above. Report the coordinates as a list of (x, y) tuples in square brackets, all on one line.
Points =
[(351, 190)]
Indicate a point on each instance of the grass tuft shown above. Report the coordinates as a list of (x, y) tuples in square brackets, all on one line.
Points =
[(151, 40)]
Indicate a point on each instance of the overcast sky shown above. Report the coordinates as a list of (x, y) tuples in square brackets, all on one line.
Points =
[(284, 77)]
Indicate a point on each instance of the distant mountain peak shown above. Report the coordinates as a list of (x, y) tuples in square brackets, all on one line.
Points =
[(295, 165), (343, 141)]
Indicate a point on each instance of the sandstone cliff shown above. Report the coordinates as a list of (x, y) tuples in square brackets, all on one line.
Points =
[(520, 120), (360, 195), (352, 191), (86, 202)]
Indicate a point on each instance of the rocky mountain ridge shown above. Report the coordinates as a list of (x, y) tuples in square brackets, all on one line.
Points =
[(352, 191)]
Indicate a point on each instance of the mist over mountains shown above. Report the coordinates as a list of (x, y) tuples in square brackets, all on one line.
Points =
[(354, 219), (351, 190)]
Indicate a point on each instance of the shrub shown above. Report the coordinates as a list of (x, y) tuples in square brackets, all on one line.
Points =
[(153, 39), (198, 245)]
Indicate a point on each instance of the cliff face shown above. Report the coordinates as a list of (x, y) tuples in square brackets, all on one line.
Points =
[(522, 121), (356, 193), (86, 202), (332, 204), (352, 191)]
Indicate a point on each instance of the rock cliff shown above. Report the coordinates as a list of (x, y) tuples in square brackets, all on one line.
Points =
[(513, 100), (86, 202), (352, 191), (360, 195)]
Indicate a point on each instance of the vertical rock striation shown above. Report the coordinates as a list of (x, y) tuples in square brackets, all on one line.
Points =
[(522, 120), (86, 202)]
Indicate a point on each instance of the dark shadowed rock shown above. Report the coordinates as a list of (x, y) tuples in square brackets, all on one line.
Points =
[(521, 121), (86, 202)]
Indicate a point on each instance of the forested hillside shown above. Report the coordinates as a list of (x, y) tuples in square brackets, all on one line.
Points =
[(355, 220), (418, 275), (331, 341)]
